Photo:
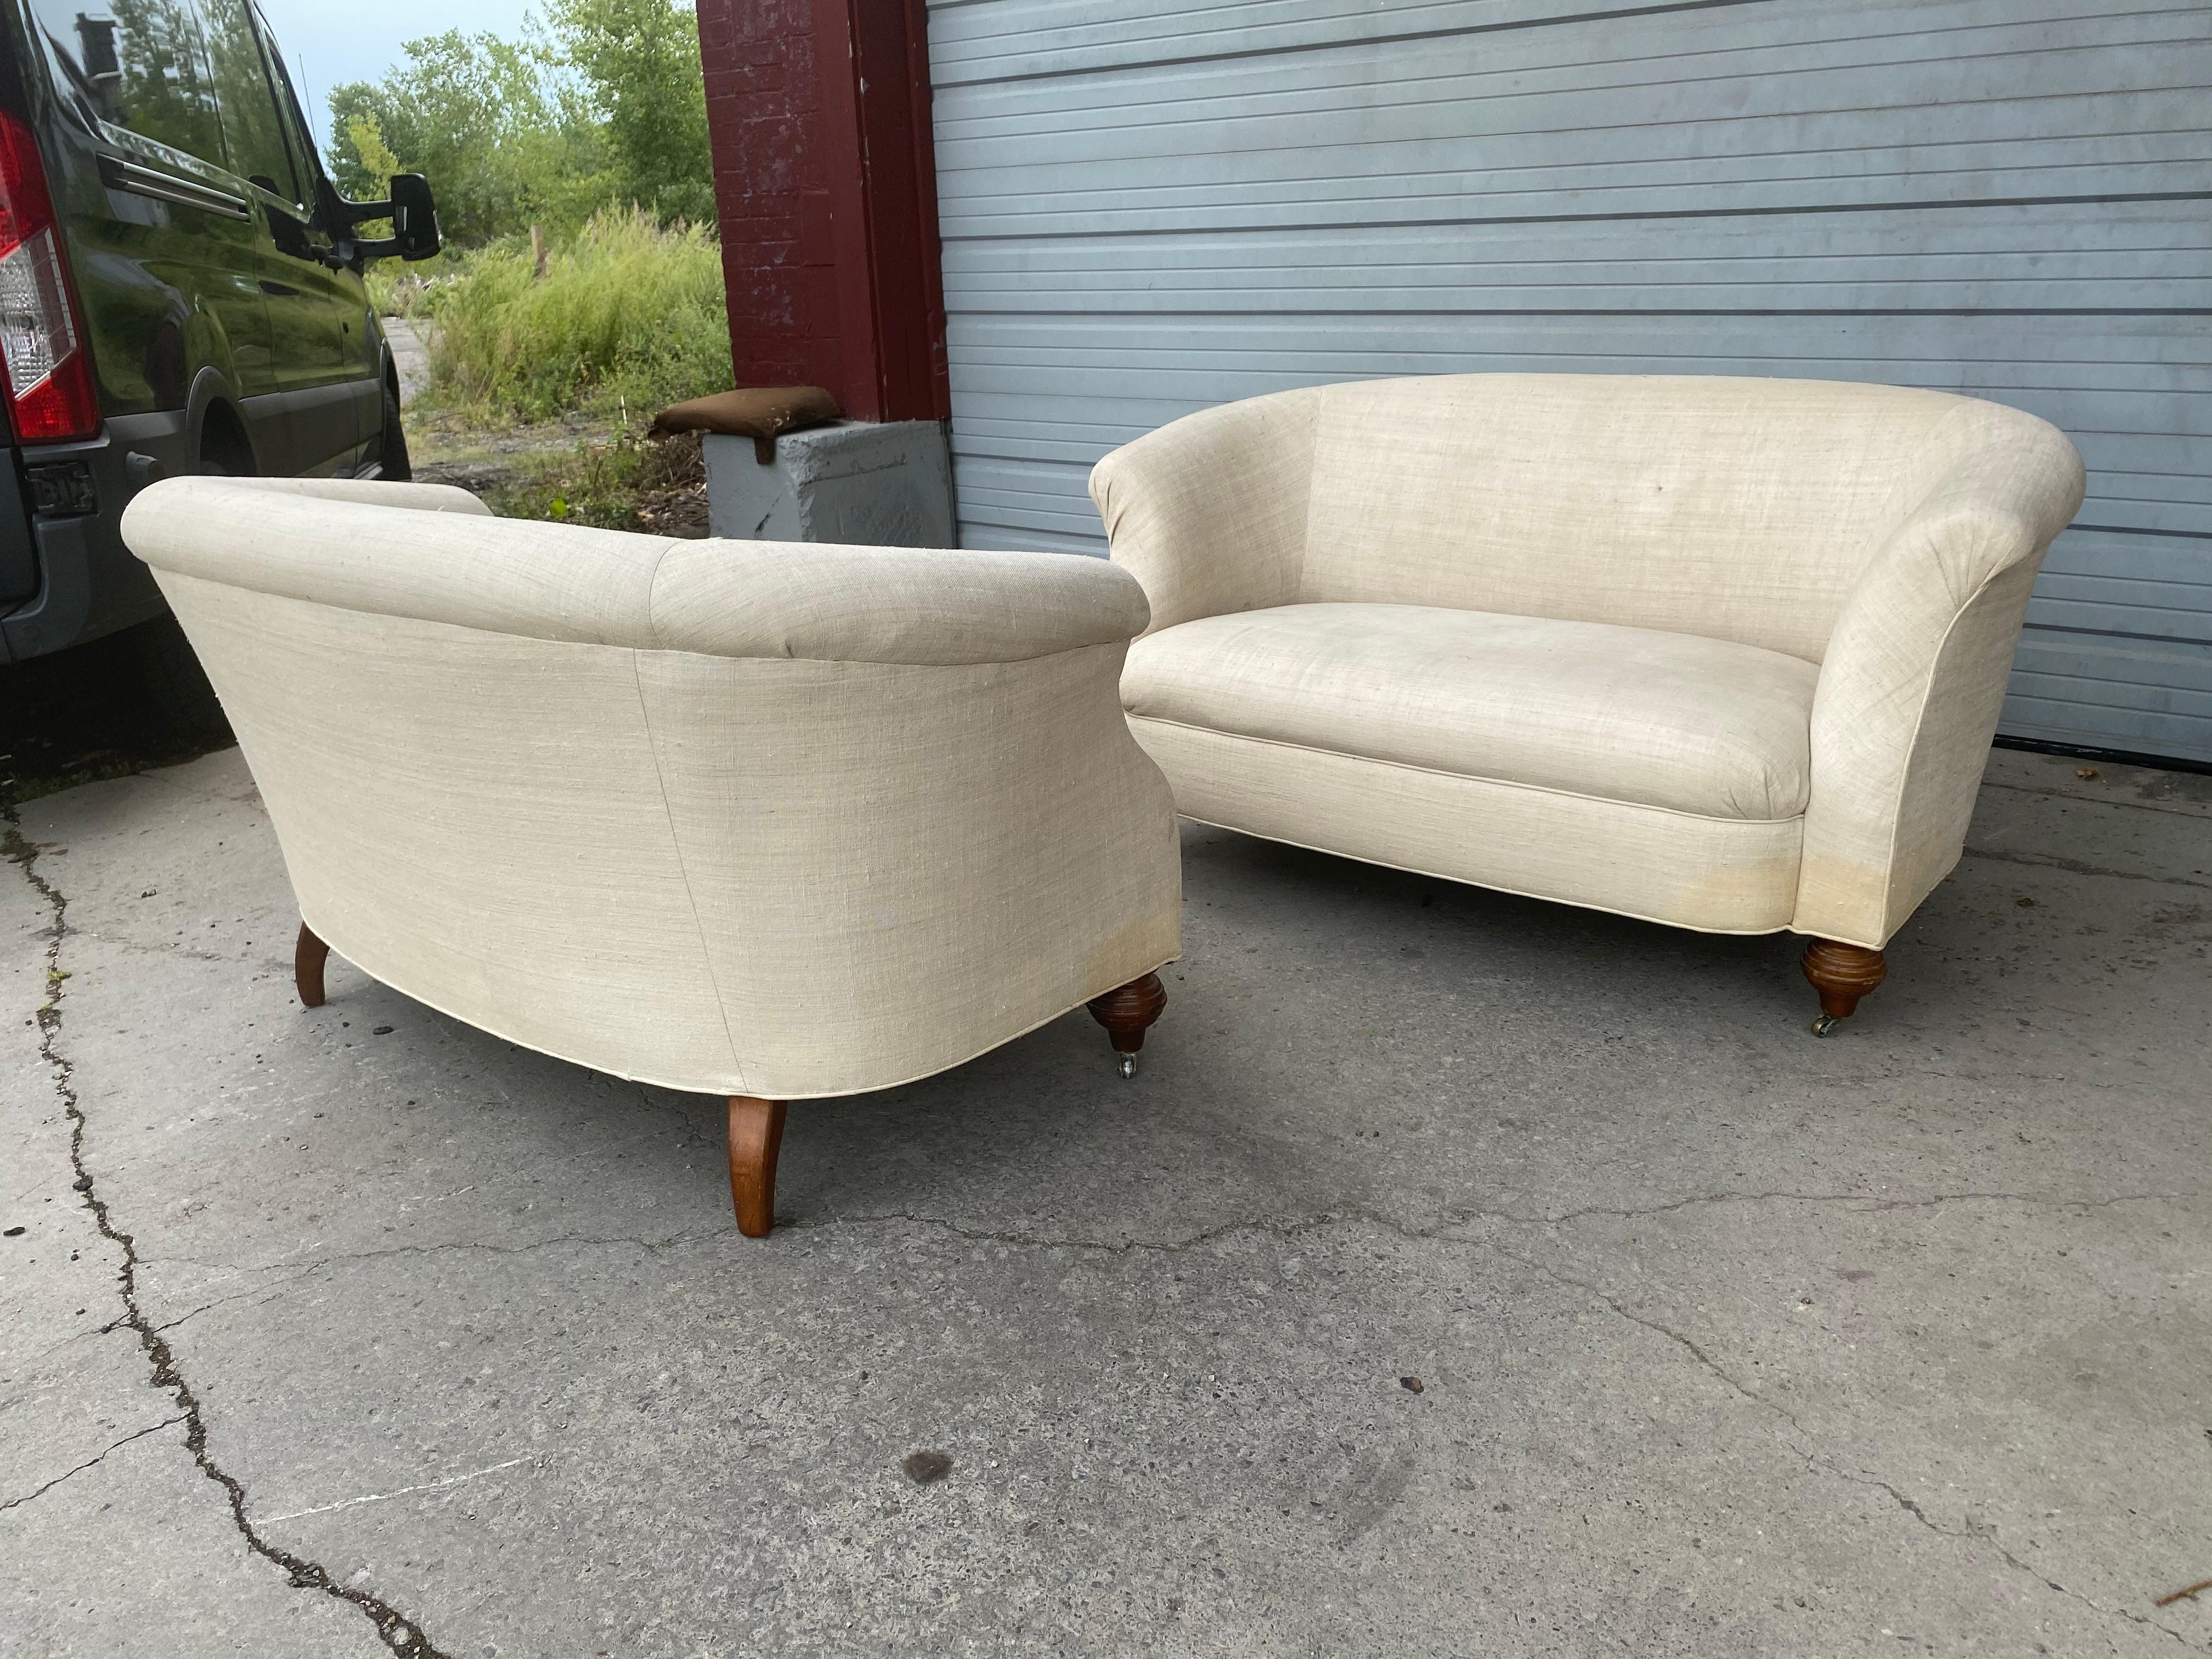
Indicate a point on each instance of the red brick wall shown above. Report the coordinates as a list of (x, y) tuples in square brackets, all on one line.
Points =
[(828, 199)]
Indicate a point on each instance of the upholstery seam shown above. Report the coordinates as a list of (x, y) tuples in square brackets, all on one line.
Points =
[(1470, 777), (653, 623), (1904, 771), (690, 897), (1305, 529)]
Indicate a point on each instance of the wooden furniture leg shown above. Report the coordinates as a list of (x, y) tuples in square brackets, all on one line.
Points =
[(308, 955), (1842, 973), (756, 1138), (1126, 1012)]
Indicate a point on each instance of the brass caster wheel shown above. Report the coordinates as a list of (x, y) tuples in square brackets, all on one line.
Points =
[(1128, 1067), (1822, 1026)]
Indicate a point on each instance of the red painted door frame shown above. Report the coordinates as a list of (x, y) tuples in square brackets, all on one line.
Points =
[(825, 178)]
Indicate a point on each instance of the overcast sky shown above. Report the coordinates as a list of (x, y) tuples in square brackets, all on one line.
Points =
[(327, 41)]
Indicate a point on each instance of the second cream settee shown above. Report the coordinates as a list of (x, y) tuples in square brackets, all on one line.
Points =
[(1723, 653)]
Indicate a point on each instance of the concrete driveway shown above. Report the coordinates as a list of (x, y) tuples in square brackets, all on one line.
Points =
[(1461, 1275), (411, 357)]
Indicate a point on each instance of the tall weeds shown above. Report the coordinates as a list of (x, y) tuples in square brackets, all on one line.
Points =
[(630, 317)]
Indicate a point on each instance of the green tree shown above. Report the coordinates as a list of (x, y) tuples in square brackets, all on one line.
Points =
[(505, 140), (639, 64), (376, 160), (605, 108), (163, 91)]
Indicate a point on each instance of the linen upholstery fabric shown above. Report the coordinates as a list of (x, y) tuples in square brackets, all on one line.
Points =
[(1210, 513), (1884, 539), (610, 587), (1623, 713), (1720, 875), (692, 813)]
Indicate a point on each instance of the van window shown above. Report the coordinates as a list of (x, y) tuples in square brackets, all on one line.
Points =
[(304, 155), (250, 125), (142, 64)]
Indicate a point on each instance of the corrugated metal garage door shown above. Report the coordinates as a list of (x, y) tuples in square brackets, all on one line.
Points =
[(1150, 206)]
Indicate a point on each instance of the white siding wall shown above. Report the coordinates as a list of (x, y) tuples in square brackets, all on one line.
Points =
[(1150, 206)]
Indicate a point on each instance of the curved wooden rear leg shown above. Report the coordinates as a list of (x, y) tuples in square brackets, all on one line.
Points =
[(308, 955), (1127, 1013), (1842, 973), (756, 1138)]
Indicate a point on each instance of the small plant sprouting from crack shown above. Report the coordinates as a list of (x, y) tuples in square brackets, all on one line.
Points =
[(399, 1633)]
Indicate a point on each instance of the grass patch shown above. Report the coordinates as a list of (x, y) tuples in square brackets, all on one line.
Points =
[(402, 288), (621, 484), (571, 472), (630, 317)]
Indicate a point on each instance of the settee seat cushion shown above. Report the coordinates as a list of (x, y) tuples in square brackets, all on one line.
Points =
[(1671, 720)]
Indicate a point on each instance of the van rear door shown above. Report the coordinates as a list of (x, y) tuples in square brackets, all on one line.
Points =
[(167, 273)]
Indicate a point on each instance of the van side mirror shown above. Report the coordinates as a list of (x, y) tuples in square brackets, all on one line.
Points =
[(414, 214), (414, 217)]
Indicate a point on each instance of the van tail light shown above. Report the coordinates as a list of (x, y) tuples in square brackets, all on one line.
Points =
[(50, 394)]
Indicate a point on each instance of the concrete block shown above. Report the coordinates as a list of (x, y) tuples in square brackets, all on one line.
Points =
[(867, 485)]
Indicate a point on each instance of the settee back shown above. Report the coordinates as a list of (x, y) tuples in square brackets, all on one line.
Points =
[(734, 817), (1739, 509)]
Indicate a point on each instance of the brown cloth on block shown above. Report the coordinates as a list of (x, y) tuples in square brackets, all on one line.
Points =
[(756, 412)]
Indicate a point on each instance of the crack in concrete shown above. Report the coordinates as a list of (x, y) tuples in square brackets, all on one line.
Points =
[(41, 1491), (693, 1134), (307, 1270), (265, 1292), (405, 1639), (399, 1633), (1867, 1203), (1347, 1215), (2079, 867), (1326, 1218), (29, 1361), (1988, 1536), (2047, 794), (1814, 1460)]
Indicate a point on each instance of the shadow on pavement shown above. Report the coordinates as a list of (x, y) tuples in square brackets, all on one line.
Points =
[(103, 709)]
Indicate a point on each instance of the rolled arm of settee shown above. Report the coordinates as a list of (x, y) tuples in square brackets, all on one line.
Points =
[(332, 543), (1209, 512), (1915, 672)]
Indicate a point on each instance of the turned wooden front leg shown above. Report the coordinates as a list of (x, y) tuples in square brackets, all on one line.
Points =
[(1127, 1012), (1842, 973), (308, 955), (756, 1138)]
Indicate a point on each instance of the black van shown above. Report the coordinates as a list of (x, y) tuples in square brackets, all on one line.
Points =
[(180, 292)]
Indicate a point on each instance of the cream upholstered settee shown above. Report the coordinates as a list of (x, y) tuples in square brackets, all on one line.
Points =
[(761, 820), (1725, 653)]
